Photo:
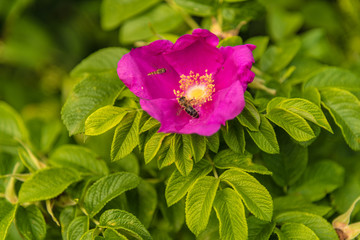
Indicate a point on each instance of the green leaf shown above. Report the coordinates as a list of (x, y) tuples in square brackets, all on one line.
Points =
[(276, 58), (283, 24), (234, 137), (317, 224), (91, 93), (78, 227), (161, 19), (126, 136), (298, 231), (104, 119), (80, 158), (178, 185), (231, 214), (7, 215), (66, 216), (318, 180), (344, 107), (119, 219), (231, 41), (305, 109), (149, 124), (199, 202), (213, 142), (265, 138), (287, 166), (183, 160), (292, 123), (47, 183), (107, 188), (152, 146), (298, 203), (255, 196), (334, 77), (111, 234), (101, 61), (114, 12), (259, 229), (90, 234), (166, 154), (11, 124), (198, 146), (250, 117), (198, 7), (229, 159), (261, 43), (31, 223)]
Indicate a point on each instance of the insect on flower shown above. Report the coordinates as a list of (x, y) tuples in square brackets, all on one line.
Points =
[(205, 83)]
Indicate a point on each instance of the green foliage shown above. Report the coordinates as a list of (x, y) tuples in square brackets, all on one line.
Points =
[(282, 169)]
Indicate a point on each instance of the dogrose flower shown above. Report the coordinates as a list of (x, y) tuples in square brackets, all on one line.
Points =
[(190, 86)]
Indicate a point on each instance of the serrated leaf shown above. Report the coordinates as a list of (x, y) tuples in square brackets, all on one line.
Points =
[(103, 60), (111, 234), (11, 124), (305, 109), (229, 159), (7, 215), (259, 229), (334, 77), (149, 124), (250, 117), (161, 19), (78, 227), (298, 231), (104, 119), (114, 12), (166, 154), (234, 136), (231, 214), (31, 223), (152, 146), (344, 107), (47, 183), (317, 224), (126, 136), (107, 188), (213, 142), (199, 203), (178, 185), (183, 160), (119, 219), (292, 123), (312, 94), (91, 93), (287, 166), (255, 196), (66, 216), (90, 234), (80, 158), (318, 180), (265, 138), (198, 146)]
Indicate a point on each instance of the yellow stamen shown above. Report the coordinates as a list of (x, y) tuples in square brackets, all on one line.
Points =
[(198, 89)]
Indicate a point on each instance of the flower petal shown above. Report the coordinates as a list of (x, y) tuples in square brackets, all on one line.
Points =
[(237, 66), (196, 52), (134, 67)]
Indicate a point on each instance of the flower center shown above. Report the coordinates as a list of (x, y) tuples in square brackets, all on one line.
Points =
[(198, 89)]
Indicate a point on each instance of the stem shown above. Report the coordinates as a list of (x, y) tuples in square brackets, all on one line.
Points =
[(207, 156), (187, 18), (10, 193), (258, 83), (219, 14)]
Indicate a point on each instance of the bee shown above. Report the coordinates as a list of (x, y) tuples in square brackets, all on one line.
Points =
[(158, 71), (188, 107)]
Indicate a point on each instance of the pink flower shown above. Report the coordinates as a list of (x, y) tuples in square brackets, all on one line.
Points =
[(190, 86)]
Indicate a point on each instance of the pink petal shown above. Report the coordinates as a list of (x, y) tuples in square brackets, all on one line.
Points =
[(134, 67), (239, 60), (196, 53)]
